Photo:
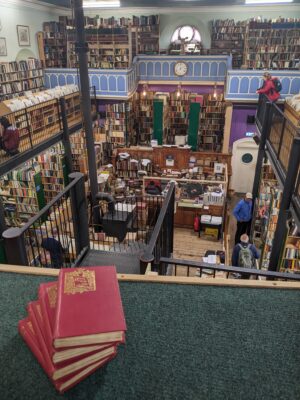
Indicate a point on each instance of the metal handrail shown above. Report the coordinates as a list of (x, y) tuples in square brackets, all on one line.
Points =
[(228, 269)]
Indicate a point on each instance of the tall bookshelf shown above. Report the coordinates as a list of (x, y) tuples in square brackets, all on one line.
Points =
[(147, 34), (119, 122), (227, 37), (53, 44), (144, 116), (178, 113), (211, 125), (272, 44), (53, 170), (18, 77), (22, 194)]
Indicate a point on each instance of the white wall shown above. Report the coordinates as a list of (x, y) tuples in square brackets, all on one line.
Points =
[(12, 15)]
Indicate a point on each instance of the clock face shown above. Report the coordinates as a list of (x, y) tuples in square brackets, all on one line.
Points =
[(180, 68)]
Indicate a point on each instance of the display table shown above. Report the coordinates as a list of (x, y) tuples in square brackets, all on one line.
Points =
[(201, 340)]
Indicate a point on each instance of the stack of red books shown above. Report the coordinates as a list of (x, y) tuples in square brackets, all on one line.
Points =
[(76, 324)]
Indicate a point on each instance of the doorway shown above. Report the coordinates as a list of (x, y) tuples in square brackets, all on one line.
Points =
[(244, 156)]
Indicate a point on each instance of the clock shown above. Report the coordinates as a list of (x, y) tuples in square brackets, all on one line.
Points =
[(180, 68)]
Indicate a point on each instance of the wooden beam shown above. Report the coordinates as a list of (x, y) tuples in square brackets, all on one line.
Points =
[(181, 280)]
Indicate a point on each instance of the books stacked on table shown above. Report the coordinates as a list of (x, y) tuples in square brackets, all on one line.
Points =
[(76, 324)]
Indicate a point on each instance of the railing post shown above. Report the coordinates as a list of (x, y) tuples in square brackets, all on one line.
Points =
[(261, 150), (288, 191), (66, 136), (145, 259), (28, 128), (15, 248), (79, 210)]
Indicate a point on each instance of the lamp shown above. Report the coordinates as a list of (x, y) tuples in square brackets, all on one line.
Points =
[(215, 93), (145, 90), (179, 90)]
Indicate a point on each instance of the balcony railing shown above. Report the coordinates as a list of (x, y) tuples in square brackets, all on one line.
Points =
[(201, 269)]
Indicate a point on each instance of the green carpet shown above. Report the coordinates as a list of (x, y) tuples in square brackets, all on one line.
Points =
[(183, 342)]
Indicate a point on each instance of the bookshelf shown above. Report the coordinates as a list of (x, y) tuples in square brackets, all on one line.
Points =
[(227, 37), (22, 194), (290, 261), (147, 34), (211, 125), (52, 44), (109, 47), (53, 170), (18, 77), (144, 116), (272, 44), (128, 169), (119, 123), (178, 114)]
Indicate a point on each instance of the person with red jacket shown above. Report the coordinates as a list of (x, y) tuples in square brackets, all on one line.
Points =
[(268, 88), (9, 137)]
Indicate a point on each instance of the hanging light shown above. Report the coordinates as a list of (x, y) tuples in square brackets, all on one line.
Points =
[(178, 93), (215, 93), (145, 89)]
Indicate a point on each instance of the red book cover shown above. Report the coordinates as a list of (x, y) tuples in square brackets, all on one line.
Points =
[(26, 330), (46, 319), (89, 307), (67, 367)]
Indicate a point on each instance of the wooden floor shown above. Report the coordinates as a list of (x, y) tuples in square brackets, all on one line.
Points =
[(188, 246)]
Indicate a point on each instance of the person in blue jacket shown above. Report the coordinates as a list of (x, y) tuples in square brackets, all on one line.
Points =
[(243, 214)]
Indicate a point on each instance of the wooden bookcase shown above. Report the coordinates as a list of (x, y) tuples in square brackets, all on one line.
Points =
[(148, 35), (211, 125), (144, 117), (53, 170), (179, 110), (53, 44), (272, 44), (19, 77), (119, 123), (290, 261), (227, 37), (22, 194)]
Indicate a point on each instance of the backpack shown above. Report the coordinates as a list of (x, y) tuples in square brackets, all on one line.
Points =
[(277, 85), (246, 259)]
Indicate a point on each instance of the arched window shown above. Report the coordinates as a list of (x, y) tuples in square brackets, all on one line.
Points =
[(186, 33), (185, 40)]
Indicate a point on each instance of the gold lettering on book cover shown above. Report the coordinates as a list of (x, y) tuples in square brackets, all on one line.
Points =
[(52, 295), (80, 281)]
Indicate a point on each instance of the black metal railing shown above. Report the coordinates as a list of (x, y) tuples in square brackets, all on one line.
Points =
[(57, 236), (161, 241), (124, 226), (39, 123), (261, 111), (219, 271)]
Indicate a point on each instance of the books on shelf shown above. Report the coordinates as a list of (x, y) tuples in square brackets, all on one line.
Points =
[(16, 78), (272, 44), (211, 124), (72, 342)]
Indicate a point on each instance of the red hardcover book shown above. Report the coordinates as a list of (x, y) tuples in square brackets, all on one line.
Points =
[(46, 318), (89, 307), (67, 367), (26, 330)]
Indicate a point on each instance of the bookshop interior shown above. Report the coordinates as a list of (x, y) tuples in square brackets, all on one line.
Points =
[(149, 151)]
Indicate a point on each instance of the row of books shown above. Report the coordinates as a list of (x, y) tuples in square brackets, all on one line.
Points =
[(76, 324)]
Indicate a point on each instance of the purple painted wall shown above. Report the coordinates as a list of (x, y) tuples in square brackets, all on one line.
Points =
[(239, 125), (199, 89)]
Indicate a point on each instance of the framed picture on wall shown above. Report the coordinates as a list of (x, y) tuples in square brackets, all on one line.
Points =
[(23, 35), (3, 49)]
